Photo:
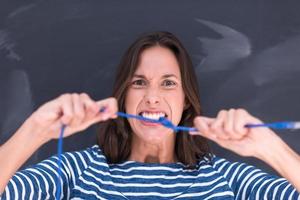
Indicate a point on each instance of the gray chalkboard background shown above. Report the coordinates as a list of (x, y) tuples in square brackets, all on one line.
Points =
[(246, 54)]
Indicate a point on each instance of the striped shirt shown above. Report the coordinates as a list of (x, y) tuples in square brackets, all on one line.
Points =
[(87, 175)]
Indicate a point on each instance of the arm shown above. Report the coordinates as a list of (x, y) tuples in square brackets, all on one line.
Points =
[(40, 181), (17, 150), (284, 160), (76, 111), (249, 182), (228, 130)]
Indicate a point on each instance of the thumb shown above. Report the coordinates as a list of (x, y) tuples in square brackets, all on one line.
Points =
[(207, 120)]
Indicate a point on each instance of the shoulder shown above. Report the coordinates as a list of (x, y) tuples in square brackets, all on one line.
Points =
[(224, 166), (74, 160), (88, 155), (219, 162), (236, 172)]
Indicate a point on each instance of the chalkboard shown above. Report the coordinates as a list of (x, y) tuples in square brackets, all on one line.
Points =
[(246, 54)]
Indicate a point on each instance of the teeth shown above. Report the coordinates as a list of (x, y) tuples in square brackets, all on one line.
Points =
[(153, 115)]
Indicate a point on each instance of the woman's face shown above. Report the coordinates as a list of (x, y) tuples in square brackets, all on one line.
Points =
[(155, 91)]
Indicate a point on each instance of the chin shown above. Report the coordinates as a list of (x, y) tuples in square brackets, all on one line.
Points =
[(155, 135)]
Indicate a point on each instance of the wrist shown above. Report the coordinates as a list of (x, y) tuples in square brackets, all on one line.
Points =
[(279, 156), (268, 145), (32, 132)]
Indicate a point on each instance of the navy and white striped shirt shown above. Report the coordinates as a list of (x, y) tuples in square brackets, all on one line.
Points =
[(86, 175)]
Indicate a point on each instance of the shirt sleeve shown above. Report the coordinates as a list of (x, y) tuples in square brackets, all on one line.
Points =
[(248, 182), (42, 180)]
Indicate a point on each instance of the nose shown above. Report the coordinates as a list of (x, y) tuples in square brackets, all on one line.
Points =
[(152, 97)]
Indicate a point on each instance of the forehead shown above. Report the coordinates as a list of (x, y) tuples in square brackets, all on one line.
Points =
[(157, 61)]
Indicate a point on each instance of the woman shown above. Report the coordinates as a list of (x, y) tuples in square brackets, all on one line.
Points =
[(142, 160)]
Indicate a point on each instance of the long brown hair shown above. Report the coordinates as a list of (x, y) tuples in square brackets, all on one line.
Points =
[(115, 136)]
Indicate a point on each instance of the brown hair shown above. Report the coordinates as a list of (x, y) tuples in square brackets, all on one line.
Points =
[(114, 137)]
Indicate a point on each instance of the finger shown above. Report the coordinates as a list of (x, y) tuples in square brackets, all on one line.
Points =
[(66, 109), (241, 120), (90, 105), (79, 110), (94, 120), (110, 105), (208, 120), (202, 124), (217, 126), (229, 125), (111, 108), (54, 129)]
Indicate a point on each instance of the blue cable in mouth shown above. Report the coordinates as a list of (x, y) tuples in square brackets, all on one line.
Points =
[(165, 122)]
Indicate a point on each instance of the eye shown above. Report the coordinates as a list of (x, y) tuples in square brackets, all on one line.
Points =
[(139, 82), (169, 83)]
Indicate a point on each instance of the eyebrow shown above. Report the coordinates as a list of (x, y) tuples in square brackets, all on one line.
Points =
[(164, 76)]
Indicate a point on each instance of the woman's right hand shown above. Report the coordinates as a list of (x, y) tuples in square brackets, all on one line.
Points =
[(76, 111)]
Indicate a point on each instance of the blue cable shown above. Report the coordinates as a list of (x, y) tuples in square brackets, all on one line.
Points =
[(165, 122), (276, 125), (59, 161)]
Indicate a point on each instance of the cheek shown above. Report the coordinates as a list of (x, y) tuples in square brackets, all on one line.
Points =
[(132, 100), (177, 103), (178, 98)]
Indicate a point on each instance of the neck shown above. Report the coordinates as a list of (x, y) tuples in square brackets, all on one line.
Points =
[(162, 152)]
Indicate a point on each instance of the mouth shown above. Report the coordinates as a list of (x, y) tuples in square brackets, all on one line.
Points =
[(152, 115)]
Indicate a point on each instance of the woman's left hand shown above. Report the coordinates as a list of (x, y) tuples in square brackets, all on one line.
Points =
[(228, 130)]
